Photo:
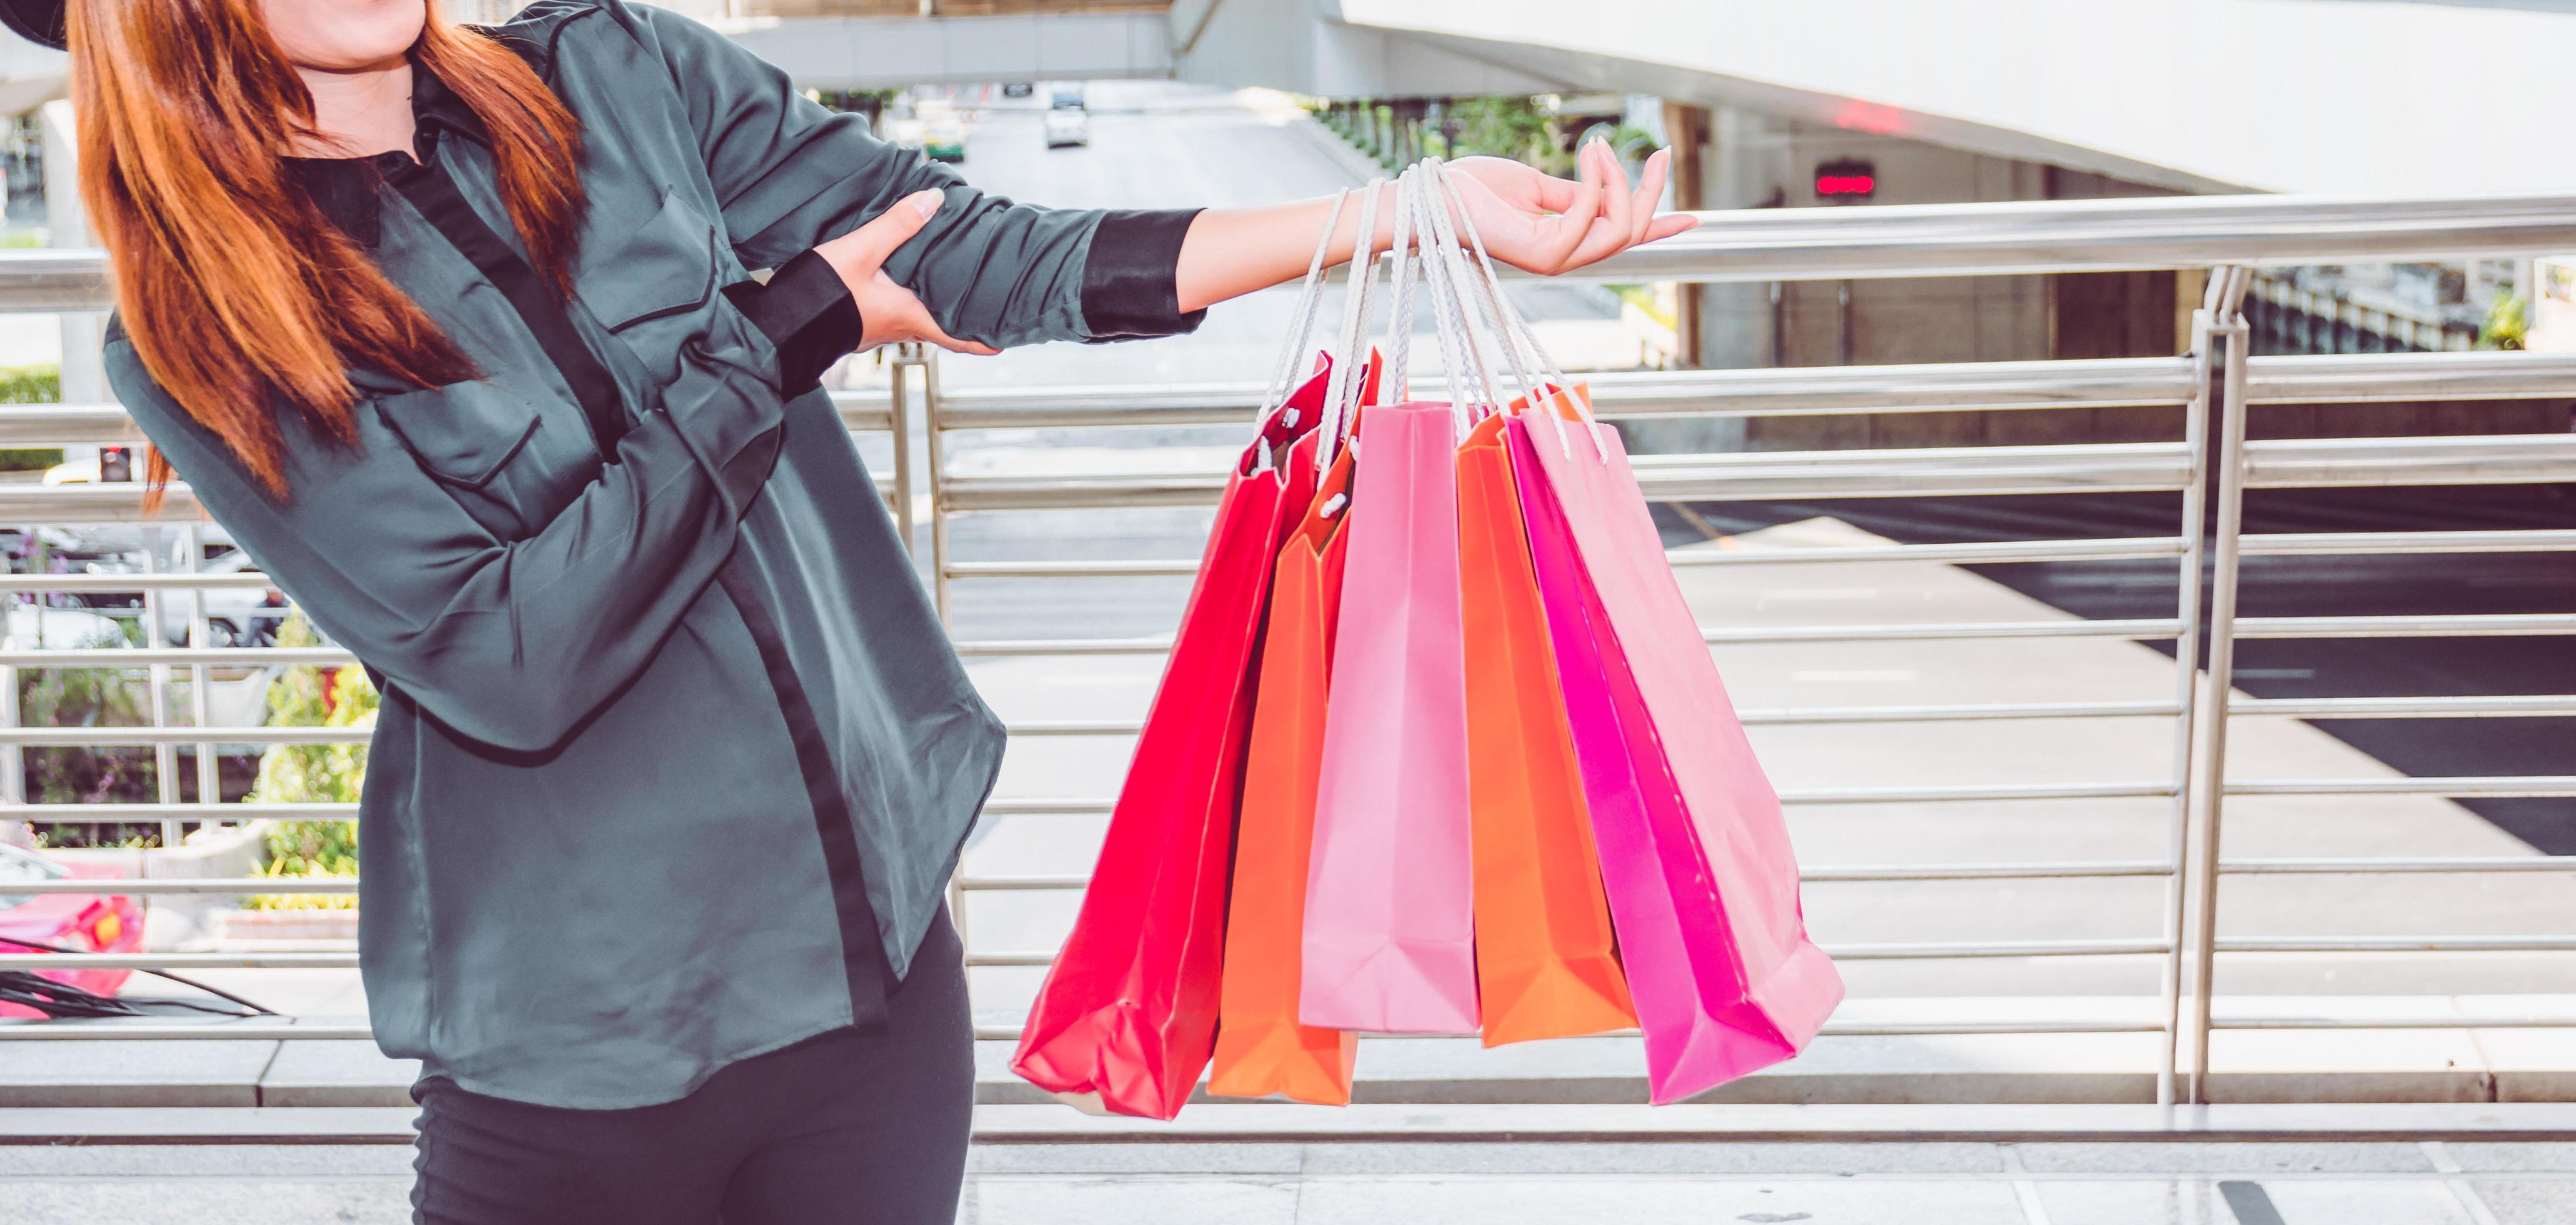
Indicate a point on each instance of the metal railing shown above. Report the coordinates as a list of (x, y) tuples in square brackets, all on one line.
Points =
[(2210, 389)]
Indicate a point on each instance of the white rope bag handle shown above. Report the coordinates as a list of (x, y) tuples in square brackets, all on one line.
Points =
[(1345, 384), (1310, 296)]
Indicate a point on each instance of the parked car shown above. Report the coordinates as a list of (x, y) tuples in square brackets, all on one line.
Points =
[(1067, 126), (81, 922), (33, 628), (1018, 89)]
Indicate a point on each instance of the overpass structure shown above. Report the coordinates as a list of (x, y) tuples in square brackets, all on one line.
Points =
[(2361, 97)]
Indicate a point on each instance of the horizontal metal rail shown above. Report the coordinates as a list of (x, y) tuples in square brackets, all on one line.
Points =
[(2131, 548), (297, 960), (1937, 794), (2408, 707), (1844, 874), (226, 886), (144, 657), (2491, 786), (1819, 874), (2396, 944), (2375, 866), (2363, 378), (92, 584), (2090, 235), (186, 735), (1929, 631), (2492, 459), (1957, 950), (189, 812), (2338, 544), (2411, 626)]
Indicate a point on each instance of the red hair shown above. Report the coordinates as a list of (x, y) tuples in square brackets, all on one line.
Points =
[(241, 298)]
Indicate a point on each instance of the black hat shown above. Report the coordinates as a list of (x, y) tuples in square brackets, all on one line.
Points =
[(38, 21)]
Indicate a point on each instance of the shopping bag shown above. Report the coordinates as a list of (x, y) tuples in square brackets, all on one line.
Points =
[(1261, 1048), (1126, 1019), (1702, 883), (1545, 967), (1389, 934)]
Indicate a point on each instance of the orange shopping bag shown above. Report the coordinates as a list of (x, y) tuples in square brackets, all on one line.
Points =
[(1261, 1048), (1545, 967)]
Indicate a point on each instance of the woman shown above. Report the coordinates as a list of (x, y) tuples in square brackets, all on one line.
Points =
[(454, 329)]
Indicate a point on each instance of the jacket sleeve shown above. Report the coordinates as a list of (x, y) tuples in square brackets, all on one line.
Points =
[(791, 174), (512, 643)]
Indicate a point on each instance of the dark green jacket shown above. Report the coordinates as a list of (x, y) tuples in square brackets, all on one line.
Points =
[(674, 760)]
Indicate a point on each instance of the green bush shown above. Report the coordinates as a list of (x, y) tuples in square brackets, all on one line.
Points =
[(2508, 322), (30, 385), (313, 773)]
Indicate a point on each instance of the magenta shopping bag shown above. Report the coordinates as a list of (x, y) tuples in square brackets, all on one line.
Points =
[(1389, 929), (1702, 882)]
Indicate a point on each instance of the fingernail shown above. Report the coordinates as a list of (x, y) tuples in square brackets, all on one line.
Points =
[(926, 202)]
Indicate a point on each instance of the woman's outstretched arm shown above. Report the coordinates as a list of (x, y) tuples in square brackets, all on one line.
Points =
[(1529, 220)]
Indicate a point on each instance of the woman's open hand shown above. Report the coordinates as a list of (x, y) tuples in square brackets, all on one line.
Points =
[(889, 313), (1543, 224)]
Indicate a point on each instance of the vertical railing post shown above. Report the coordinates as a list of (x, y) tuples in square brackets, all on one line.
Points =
[(936, 473), (899, 412), (2226, 566), (201, 686), (165, 755), (2195, 510)]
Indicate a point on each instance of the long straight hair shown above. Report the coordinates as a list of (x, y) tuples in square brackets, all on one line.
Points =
[(242, 299)]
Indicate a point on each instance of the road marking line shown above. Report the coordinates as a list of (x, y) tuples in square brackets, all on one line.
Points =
[(2034, 1211), (2440, 1155)]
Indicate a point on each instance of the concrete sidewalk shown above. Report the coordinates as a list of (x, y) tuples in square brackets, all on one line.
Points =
[(2394, 1182)]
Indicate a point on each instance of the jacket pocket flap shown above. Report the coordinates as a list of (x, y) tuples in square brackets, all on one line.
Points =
[(461, 433), (667, 266)]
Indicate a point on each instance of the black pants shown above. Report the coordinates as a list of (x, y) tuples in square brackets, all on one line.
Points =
[(850, 1126)]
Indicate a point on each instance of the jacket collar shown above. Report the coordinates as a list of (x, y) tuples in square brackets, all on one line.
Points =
[(345, 188)]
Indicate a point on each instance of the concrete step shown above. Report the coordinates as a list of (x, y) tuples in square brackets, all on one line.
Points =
[(2350, 1064)]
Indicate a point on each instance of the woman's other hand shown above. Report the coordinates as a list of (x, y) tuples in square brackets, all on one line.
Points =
[(889, 313), (1539, 223)]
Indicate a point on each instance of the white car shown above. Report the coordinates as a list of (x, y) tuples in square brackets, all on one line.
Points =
[(1067, 125)]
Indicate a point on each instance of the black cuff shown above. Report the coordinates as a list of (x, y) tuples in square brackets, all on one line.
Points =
[(1128, 289), (807, 313)]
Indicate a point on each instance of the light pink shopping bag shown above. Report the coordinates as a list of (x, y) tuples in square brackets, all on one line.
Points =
[(1702, 881), (1389, 927)]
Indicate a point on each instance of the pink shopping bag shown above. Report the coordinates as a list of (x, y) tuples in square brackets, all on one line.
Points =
[(1702, 882), (1389, 927)]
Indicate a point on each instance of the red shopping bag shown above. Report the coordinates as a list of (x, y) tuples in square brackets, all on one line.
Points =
[(1127, 1016), (1702, 883)]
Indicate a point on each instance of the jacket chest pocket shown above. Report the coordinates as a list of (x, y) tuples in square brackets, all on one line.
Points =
[(650, 284), (496, 453)]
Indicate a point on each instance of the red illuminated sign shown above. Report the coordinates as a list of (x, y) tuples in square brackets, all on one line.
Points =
[(1846, 178)]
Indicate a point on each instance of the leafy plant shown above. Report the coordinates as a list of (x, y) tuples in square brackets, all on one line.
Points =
[(1510, 126), (30, 385), (313, 773), (2508, 322)]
